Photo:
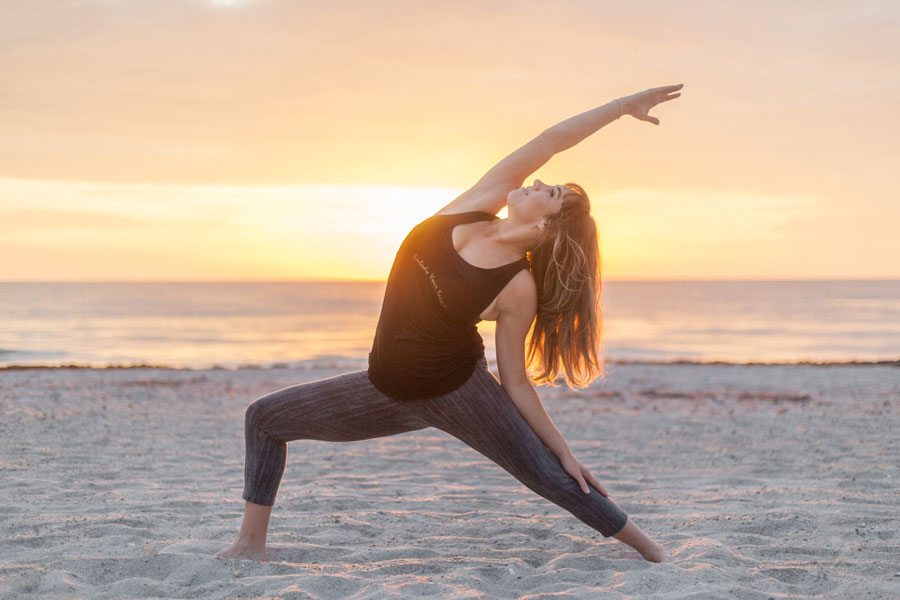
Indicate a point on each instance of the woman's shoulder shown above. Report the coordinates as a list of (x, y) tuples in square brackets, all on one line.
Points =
[(449, 213), (445, 220)]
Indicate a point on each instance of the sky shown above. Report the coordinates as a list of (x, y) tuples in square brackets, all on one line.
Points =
[(203, 140)]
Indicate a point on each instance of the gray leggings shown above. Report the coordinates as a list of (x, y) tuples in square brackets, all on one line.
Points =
[(348, 407)]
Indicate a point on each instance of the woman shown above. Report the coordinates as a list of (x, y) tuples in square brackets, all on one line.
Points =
[(539, 268)]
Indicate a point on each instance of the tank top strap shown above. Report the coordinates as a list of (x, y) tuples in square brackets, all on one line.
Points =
[(503, 272)]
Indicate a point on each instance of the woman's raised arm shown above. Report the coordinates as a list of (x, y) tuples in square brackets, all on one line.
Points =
[(573, 130), (489, 193)]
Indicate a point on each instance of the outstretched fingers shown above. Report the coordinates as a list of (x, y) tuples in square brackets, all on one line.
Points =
[(660, 95), (666, 92), (669, 92)]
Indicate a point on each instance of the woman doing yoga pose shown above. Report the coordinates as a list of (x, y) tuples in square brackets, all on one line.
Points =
[(536, 270)]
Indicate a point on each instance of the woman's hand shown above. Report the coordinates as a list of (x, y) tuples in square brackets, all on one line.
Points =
[(577, 470), (638, 104)]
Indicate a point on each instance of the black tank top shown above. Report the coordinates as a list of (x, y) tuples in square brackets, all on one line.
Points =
[(427, 343)]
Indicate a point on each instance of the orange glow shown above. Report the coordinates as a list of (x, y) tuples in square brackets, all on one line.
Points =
[(210, 141)]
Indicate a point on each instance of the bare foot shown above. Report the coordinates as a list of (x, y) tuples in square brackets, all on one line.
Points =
[(632, 535), (244, 551), (657, 554)]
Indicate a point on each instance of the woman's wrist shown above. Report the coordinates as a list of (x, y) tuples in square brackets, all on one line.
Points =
[(623, 106), (564, 453)]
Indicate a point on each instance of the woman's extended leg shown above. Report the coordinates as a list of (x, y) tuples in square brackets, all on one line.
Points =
[(483, 416), (343, 408)]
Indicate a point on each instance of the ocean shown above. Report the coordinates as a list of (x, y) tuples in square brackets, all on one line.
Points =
[(264, 324)]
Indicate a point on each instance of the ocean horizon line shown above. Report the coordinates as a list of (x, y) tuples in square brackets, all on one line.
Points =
[(333, 281)]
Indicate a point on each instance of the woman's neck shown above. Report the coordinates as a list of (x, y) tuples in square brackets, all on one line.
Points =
[(518, 237)]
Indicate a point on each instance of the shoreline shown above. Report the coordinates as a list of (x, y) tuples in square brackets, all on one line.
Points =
[(335, 364)]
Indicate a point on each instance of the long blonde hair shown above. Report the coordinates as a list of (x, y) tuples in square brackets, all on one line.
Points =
[(565, 335)]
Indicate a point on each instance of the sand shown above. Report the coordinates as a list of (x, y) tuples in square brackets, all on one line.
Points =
[(761, 481)]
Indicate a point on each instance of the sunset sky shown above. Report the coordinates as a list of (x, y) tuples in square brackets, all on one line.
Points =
[(297, 139)]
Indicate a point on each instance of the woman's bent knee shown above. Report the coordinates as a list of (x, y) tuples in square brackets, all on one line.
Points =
[(255, 415)]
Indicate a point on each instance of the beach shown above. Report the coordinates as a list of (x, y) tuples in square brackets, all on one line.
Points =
[(762, 481)]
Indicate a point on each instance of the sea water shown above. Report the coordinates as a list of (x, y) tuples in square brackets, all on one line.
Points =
[(235, 324)]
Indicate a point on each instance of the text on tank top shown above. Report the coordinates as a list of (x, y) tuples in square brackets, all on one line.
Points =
[(426, 342)]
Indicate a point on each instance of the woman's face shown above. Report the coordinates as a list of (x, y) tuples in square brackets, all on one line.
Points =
[(535, 203)]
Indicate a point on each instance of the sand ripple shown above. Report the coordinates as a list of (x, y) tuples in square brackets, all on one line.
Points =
[(761, 481)]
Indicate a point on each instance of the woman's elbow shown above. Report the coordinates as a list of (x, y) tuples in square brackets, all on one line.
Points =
[(516, 384)]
